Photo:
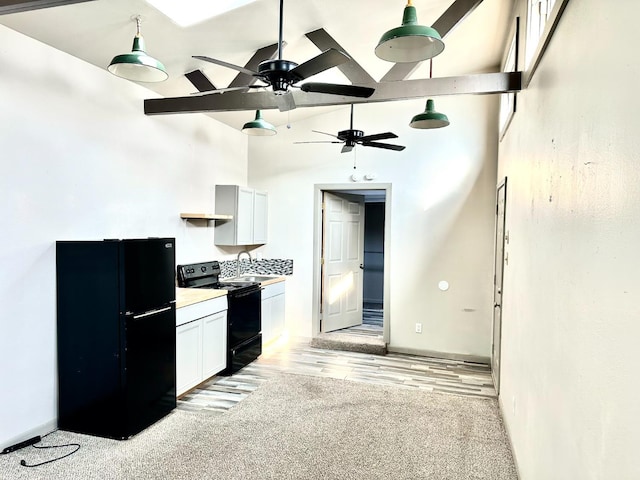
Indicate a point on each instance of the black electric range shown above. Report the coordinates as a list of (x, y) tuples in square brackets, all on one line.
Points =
[(244, 318)]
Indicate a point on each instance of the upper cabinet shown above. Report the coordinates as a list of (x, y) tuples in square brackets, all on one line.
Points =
[(248, 207)]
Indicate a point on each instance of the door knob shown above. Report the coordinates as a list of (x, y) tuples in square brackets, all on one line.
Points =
[(361, 266)]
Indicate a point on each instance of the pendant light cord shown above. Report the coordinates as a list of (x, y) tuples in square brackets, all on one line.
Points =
[(138, 22)]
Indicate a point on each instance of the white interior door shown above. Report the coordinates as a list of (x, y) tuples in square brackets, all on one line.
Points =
[(343, 250), (497, 284)]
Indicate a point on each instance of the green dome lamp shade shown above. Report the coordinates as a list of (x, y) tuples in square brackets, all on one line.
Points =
[(137, 65), (259, 127), (410, 42), (429, 118)]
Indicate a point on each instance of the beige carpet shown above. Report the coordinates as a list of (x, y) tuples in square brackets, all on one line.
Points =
[(298, 427)]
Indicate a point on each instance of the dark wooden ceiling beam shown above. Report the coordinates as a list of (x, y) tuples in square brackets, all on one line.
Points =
[(199, 80), (487, 83), (15, 6), (351, 69), (456, 13)]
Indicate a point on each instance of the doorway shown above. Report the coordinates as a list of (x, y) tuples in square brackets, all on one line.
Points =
[(361, 306)]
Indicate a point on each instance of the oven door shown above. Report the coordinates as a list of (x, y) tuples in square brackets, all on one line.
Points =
[(244, 316)]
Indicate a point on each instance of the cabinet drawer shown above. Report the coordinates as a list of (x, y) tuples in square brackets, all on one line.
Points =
[(273, 290), (200, 309)]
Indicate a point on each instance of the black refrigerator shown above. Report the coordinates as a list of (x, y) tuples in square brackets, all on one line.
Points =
[(116, 328)]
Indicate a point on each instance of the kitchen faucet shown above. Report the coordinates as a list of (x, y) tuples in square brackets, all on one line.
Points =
[(238, 273)]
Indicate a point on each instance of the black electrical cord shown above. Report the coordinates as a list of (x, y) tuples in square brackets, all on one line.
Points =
[(77, 445)]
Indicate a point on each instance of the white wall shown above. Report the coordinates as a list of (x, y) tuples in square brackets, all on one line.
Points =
[(570, 393), (80, 160), (442, 220)]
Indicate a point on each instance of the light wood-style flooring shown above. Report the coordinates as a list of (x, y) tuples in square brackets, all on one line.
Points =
[(295, 356)]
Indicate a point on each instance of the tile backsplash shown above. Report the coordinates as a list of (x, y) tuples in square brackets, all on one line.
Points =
[(229, 268)]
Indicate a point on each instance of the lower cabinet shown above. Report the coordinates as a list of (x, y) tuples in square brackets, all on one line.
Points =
[(201, 342), (273, 316)]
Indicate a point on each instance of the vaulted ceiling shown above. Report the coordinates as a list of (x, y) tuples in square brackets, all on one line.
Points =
[(95, 31)]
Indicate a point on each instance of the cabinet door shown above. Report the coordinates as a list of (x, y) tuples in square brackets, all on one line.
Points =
[(214, 344), (277, 314), (244, 217), (260, 217), (188, 356), (267, 322)]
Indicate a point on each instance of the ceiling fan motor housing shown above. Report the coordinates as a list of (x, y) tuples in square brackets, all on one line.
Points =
[(276, 73), (350, 136)]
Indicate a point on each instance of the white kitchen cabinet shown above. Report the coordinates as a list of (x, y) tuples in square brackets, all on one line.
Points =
[(248, 208), (188, 356), (214, 328), (201, 342), (273, 315), (260, 217)]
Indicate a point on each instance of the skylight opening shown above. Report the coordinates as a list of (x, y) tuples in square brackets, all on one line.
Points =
[(189, 12)]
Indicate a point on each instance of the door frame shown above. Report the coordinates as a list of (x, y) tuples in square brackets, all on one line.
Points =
[(317, 248), (497, 353)]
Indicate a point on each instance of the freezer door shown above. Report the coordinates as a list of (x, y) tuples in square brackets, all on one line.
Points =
[(147, 274)]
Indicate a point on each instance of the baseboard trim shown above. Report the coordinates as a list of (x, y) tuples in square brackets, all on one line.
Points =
[(449, 356)]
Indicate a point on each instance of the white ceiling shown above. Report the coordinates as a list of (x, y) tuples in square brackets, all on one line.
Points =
[(98, 30)]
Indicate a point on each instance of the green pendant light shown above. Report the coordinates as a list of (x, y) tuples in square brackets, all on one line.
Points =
[(410, 42), (137, 65), (259, 127), (429, 118)]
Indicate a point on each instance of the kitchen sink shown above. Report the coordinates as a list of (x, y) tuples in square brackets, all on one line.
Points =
[(249, 278)]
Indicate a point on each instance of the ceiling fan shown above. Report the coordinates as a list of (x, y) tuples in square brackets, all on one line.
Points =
[(280, 74), (352, 137)]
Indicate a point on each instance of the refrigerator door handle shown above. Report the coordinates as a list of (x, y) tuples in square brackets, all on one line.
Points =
[(152, 312)]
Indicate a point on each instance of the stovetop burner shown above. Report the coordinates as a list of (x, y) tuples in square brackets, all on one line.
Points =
[(206, 275)]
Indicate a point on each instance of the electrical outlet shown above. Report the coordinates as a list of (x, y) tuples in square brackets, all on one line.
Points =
[(418, 328)]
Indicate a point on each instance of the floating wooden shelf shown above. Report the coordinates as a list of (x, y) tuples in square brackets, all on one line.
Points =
[(205, 216)]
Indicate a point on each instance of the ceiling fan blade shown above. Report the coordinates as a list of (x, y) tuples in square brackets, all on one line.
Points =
[(326, 60), (336, 89), (388, 146), (378, 136), (200, 81), (346, 149), (325, 141), (324, 133), (265, 53), (225, 64), (285, 102)]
